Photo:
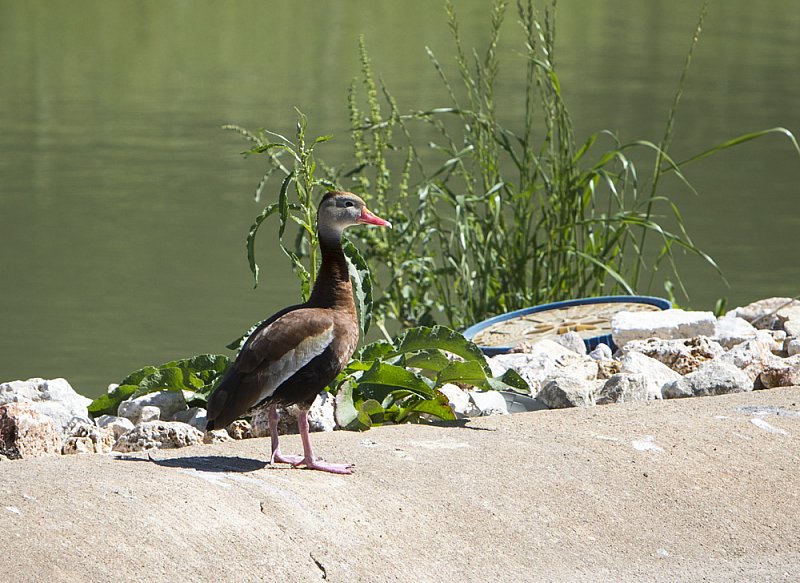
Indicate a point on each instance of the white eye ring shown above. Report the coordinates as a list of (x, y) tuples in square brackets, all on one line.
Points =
[(349, 203)]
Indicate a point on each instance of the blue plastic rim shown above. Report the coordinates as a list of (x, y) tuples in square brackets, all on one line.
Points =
[(591, 343)]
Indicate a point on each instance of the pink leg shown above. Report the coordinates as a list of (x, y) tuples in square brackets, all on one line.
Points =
[(310, 460), (277, 456)]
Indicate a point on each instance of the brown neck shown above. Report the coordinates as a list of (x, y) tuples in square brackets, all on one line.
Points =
[(332, 288)]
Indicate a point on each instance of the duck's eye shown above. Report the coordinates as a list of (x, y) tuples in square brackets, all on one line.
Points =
[(349, 203)]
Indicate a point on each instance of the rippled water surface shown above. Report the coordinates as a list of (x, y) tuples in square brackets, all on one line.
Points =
[(124, 207)]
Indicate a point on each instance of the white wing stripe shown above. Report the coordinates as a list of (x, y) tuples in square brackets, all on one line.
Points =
[(294, 360)]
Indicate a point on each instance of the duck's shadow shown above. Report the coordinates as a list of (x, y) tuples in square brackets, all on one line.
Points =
[(202, 463)]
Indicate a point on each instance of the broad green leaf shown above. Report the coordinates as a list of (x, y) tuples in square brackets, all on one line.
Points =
[(356, 365), (438, 407), (345, 410), (468, 372), (440, 338), (194, 376), (510, 381), (390, 375), (364, 421), (166, 379), (195, 399), (411, 409), (137, 376), (373, 410), (385, 394), (375, 350), (362, 284), (513, 379), (107, 404), (203, 363), (347, 416), (432, 360)]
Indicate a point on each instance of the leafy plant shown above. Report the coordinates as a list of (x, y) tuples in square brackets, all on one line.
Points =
[(194, 377), (299, 177), (399, 381), (493, 217)]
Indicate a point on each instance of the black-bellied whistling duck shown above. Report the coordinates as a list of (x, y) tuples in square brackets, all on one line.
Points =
[(293, 355)]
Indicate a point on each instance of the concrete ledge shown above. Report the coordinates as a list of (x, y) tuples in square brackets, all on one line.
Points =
[(696, 489)]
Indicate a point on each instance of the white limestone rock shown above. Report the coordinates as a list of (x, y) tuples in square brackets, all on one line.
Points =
[(782, 372), (790, 317), (158, 435), (792, 346), (665, 324), (773, 338), (119, 426), (681, 355), (194, 416), (149, 413), (626, 387), (713, 378), (732, 330), (572, 341), (763, 314), (752, 357), (27, 432), (287, 421), (240, 429), (489, 402), (584, 368), (89, 438), (321, 415), (259, 423), (560, 392), (216, 436), (608, 368), (601, 352), (544, 358), (54, 398), (657, 373), (167, 402), (459, 401)]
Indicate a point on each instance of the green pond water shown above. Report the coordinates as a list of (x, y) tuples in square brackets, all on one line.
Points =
[(124, 207)]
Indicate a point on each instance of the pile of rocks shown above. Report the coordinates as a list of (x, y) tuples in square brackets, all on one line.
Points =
[(660, 355), (47, 417), (664, 355)]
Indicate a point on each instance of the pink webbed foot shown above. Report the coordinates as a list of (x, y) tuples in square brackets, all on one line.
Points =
[(279, 458), (309, 459), (315, 464)]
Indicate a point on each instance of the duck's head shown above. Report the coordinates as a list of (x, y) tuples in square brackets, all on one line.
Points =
[(339, 210)]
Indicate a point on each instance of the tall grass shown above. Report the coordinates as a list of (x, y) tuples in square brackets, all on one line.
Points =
[(497, 217), (492, 216), (298, 178)]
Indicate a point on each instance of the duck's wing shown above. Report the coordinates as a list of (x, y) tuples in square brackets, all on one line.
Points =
[(273, 353)]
